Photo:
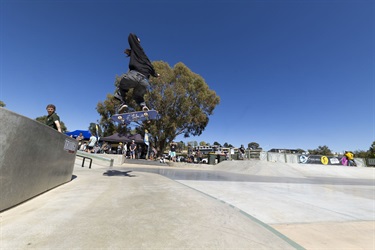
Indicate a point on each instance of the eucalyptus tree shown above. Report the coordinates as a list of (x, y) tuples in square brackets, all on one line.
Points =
[(182, 98)]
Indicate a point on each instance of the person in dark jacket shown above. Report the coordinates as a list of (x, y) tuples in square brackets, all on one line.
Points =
[(140, 69)]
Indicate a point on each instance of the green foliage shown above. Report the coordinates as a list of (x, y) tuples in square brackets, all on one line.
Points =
[(181, 146), (321, 150), (182, 98), (324, 150), (300, 151), (95, 130), (366, 154), (361, 154), (2, 104), (106, 109), (184, 102), (63, 127), (253, 145), (193, 143), (42, 119), (371, 151)]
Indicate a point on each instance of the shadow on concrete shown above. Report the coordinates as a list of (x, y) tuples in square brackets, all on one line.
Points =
[(118, 173), (73, 177)]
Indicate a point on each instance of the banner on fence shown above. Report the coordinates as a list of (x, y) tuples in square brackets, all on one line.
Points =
[(322, 159)]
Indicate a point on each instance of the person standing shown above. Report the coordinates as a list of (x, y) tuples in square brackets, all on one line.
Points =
[(125, 149), (350, 158), (154, 153), (146, 140), (105, 149), (133, 148), (92, 143), (199, 156), (80, 139), (119, 148), (53, 120), (140, 69), (173, 147), (241, 151)]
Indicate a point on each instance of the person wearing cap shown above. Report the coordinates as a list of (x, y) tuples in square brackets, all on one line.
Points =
[(350, 158), (140, 69), (133, 148)]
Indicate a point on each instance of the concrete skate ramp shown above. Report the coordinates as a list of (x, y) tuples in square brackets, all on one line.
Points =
[(33, 158), (290, 170)]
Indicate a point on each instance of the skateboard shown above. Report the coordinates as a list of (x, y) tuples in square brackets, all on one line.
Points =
[(135, 116)]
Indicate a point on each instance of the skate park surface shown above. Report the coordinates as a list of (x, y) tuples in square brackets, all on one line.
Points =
[(247, 204)]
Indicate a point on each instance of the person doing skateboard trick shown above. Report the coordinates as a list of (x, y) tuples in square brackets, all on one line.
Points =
[(140, 69)]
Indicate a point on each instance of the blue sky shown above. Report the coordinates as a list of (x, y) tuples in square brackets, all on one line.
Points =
[(290, 74)]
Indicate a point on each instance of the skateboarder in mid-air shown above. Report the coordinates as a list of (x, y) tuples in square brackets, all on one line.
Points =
[(140, 69)]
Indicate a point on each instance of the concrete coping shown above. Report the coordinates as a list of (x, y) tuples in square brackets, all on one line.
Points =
[(95, 157)]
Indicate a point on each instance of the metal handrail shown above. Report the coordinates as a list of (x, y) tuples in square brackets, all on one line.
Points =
[(84, 158)]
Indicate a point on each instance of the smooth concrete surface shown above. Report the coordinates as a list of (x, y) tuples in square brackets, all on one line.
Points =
[(105, 208), (33, 158), (232, 205), (329, 207), (317, 206)]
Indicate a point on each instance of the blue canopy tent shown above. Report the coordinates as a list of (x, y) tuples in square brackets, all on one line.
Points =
[(86, 134)]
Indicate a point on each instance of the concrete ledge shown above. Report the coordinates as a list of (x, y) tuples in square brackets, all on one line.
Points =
[(33, 158), (102, 159)]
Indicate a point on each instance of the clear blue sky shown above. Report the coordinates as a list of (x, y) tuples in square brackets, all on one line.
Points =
[(290, 74)]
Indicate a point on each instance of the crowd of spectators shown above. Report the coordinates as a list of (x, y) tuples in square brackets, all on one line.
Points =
[(131, 150)]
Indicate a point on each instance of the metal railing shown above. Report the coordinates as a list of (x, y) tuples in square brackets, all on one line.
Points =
[(84, 158)]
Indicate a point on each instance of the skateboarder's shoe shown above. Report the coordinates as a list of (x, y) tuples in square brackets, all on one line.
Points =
[(122, 108), (143, 106), (118, 96)]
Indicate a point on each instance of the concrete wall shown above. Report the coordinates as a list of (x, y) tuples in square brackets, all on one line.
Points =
[(279, 157), (33, 158), (294, 158)]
